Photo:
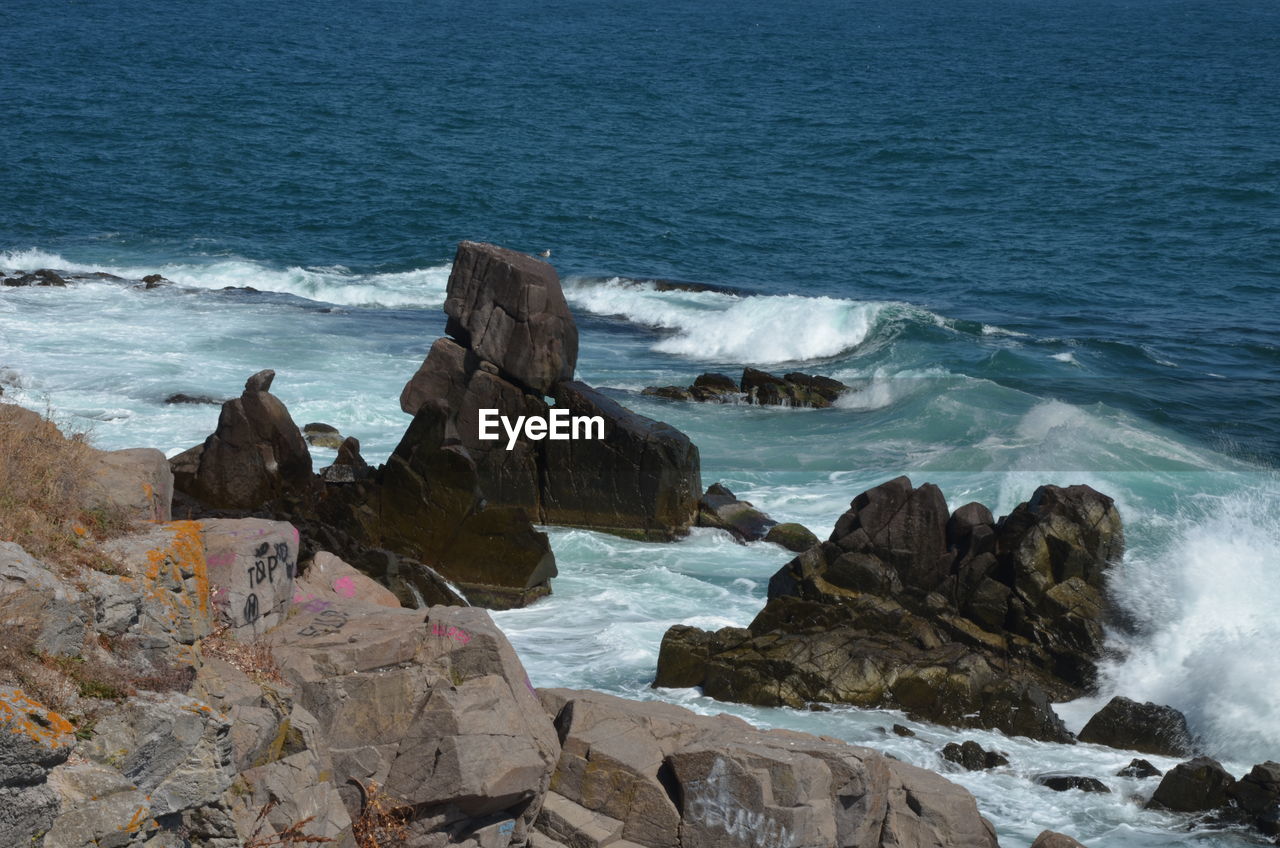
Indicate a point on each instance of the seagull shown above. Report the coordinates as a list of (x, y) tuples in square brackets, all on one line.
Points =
[(545, 253)]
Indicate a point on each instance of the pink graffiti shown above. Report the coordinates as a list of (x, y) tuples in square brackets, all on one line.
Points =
[(311, 603), (457, 634), (345, 586), (221, 559)]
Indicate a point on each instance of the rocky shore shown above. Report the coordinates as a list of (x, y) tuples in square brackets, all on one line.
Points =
[(304, 657)]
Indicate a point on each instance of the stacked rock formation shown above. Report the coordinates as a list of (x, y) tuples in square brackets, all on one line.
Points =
[(954, 617), (512, 346)]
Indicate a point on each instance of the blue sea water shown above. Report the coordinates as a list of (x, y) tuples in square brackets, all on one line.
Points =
[(1042, 239)]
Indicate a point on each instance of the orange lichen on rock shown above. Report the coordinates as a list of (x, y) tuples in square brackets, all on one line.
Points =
[(26, 716), (168, 568)]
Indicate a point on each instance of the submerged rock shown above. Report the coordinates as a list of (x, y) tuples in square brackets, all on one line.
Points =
[(1139, 768), (953, 617), (1065, 782), (1149, 728), (1049, 839), (972, 756), (42, 277), (758, 387)]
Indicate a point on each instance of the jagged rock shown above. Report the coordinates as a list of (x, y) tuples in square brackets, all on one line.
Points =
[(714, 387), (1139, 768), (758, 387), (1064, 782), (154, 281), (429, 506), (43, 277), (903, 730), (657, 775), (907, 606), (721, 509), (100, 806), (1049, 839), (1148, 728), (349, 466), (180, 397), (1258, 795), (973, 756), (255, 455), (322, 435), (33, 740), (33, 600), (509, 308), (1195, 786), (642, 480), (793, 537)]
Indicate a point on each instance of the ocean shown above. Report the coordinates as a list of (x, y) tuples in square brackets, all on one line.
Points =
[(1041, 239)]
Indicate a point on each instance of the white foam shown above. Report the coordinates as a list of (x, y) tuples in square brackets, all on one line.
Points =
[(1068, 357), (418, 288), (719, 327)]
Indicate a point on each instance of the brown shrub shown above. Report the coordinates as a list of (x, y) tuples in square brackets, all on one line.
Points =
[(293, 834), (43, 506), (383, 821), (253, 658)]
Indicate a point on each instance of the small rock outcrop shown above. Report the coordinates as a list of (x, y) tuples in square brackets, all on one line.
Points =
[(255, 455), (1065, 782), (321, 435), (513, 347), (954, 617), (972, 756), (1195, 786), (658, 775), (1147, 728), (794, 537), (42, 277), (1049, 839), (1257, 794), (721, 509), (758, 387), (1139, 768)]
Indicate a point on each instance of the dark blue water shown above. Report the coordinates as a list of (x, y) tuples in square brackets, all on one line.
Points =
[(1103, 176)]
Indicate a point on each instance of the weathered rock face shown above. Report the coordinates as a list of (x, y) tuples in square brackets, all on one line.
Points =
[(1195, 786), (721, 509), (429, 505), (255, 455), (1148, 728), (657, 775), (509, 308), (514, 347), (910, 607), (32, 741)]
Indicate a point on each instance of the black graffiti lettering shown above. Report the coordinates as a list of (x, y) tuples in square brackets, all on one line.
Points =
[(262, 549), (329, 621), (282, 555), (251, 609), (272, 565)]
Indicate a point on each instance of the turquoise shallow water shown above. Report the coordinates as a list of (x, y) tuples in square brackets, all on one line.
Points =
[(1041, 240)]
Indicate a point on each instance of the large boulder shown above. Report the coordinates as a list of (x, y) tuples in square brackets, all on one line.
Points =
[(908, 606), (658, 775), (1195, 786), (1258, 795), (1147, 728), (255, 455), (721, 509), (641, 480), (510, 310), (430, 506), (33, 740)]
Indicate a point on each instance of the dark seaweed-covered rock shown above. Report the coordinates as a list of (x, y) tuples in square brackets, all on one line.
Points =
[(322, 435), (42, 277), (972, 756), (721, 509), (1149, 728), (180, 397), (1065, 782), (1195, 786), (758, 387)]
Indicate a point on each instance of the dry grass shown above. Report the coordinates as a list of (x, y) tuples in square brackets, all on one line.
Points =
[(43, 506), (294, 834), (383, 822), (253, 658)]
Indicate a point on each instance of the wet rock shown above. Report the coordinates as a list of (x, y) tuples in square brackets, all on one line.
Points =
[(322, 435), (155, 281), (721, 509), (180, 397), (1139, 768), (1049, 839), (668, 392), (793, 537), (902, 730), (1148, 728), (972, 756), (758, 387), (509, 309), (711, 387), (1258, 795), (1064, 782), (656, 774), (1198, 785), (255, 455), (907, 606), (42, 277)]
